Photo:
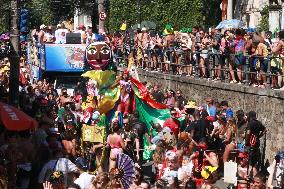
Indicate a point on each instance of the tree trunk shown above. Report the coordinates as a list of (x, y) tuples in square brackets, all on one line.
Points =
[(14, 55)]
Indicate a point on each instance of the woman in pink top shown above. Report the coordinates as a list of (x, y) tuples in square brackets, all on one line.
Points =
[(170, 99), (116, 143)]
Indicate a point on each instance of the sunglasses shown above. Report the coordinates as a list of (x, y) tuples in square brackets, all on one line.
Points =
[(173, 113)]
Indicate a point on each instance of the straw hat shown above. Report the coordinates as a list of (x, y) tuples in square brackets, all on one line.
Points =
[(190, 104)]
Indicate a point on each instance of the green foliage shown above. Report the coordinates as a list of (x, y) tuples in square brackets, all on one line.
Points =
[(180, 13), (264, 21), (48, 12), (4, 15)]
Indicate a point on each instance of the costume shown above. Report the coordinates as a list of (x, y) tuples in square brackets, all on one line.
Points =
[(126, 94), (98, 55)]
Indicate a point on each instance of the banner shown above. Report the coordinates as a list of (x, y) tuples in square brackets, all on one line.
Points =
[(42, 57), (34, 72), (93, 133), (64, 57)]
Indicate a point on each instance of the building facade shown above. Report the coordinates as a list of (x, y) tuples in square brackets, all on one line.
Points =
[(246, 10)]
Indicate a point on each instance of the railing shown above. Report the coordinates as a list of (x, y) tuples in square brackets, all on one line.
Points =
[(225, 68)]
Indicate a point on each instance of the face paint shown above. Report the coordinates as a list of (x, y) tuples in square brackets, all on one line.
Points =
[(98, 55)]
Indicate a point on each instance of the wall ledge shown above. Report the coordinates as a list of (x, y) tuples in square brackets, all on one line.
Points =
[(215, 84)]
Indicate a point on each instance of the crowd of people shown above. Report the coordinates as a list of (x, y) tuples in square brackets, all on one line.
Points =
[(238, 56), (188, 150)]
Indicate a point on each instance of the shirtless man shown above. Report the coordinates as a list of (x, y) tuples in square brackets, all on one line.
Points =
[(145, 45), (41, 34), (154, 48), (139, 45), (169, 44)]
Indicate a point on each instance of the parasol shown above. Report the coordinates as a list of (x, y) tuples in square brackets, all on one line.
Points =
[(149, 25), (126, 165), (135, 27), (230, 24), (145, 24), (14, 119)]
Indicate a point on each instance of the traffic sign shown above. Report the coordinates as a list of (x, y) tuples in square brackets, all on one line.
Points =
[(103, 16)]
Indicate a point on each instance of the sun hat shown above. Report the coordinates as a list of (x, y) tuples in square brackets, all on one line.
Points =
[(190, 104)]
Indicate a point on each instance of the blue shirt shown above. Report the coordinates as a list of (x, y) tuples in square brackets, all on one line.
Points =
[(211, 110), (229, 113)]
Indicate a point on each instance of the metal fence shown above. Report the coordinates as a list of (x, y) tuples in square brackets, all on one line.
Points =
[(248, 69)]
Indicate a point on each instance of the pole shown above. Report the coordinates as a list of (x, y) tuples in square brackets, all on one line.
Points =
[(282, 16), (14, 56), (139, 13), (230, 10), (101, 8)]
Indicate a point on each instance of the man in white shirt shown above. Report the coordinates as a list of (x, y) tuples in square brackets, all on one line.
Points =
[(56, 33), (60, 34), (91, 37)]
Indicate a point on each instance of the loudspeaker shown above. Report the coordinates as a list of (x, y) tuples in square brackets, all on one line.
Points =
[(73, 38)]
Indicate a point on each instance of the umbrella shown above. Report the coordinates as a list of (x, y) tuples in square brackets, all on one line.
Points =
[(126, 165), (149, 25), (230, 24), (14, 119), (251, 30), (135, 26)]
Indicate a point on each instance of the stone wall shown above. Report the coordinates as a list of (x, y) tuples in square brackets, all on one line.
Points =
[(268, 104)]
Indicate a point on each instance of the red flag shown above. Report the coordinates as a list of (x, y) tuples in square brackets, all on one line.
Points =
[(146, 96)]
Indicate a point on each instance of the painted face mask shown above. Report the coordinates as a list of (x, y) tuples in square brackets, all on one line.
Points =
[(98, 55)]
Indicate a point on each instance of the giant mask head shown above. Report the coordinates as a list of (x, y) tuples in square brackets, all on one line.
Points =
[(98, 55)]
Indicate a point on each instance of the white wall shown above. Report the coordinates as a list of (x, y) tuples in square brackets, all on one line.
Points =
[(82, 19), (249, 11)]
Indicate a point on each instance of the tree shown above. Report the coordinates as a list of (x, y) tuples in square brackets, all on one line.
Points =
[(4, 15), (180, 13), (264, 20)]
